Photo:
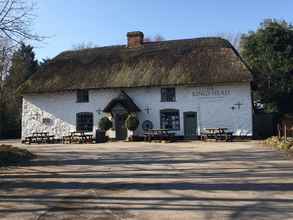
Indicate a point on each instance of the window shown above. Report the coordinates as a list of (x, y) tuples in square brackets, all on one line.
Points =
[(84, 121), (168, 95), (82, 96), (170, 119), (47, 121)]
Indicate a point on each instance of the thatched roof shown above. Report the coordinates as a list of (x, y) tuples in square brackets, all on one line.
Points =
[(176, 62)]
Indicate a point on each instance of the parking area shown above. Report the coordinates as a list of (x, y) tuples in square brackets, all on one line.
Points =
[(120, 180)]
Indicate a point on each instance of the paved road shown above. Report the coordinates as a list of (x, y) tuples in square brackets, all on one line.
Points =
[(150, 181)]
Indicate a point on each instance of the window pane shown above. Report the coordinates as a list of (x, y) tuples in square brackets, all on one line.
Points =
[(82, 96), (170, 119), (84, 121), (168, 95)]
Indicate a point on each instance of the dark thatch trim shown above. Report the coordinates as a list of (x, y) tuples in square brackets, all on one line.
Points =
[(124, 100), (177, 62)]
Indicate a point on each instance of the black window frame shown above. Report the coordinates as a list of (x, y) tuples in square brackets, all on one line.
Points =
[(168, 94), (84, 122), (173, 115), (82, 96)]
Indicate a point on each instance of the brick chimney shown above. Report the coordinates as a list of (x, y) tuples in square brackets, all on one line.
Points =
[(134, 39)]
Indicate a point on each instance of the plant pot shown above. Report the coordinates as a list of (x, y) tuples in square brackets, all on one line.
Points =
[(101, 136)]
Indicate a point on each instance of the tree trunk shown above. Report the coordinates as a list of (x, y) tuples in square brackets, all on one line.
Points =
[(1, 116)]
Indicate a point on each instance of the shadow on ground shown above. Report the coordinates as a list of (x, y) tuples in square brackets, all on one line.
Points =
[(235, 184)]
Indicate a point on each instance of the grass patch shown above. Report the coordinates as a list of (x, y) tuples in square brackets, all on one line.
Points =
[(14, 155)]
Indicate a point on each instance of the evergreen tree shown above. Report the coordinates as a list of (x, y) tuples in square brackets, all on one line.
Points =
[(269, 53), (23, 66)]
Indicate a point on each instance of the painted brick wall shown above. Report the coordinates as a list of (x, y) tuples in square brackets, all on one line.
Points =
[(216, 106)]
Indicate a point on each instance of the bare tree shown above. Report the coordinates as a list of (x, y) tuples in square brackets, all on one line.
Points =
[(158, 37), (6, 51), (16, 20), (84, 45), (147, 39), (233, 38)]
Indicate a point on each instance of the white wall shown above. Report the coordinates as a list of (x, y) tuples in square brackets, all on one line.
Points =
[(214, 108)]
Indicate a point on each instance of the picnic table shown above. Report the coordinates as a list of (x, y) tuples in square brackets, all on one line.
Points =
[(159, 134), (217, 134), (40, 137), (78, 137)]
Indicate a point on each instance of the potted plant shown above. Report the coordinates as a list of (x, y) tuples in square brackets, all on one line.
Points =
[(104, 124), (131, 124)]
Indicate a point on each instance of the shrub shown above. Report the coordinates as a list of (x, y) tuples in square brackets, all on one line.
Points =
[(132, 122), (11, 155), (279, 143), (105, 124)]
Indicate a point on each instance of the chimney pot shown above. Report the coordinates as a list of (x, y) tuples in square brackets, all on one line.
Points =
[(135, 39)]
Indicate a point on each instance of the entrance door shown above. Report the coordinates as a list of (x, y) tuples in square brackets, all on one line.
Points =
[(121, 131), (190, 124)]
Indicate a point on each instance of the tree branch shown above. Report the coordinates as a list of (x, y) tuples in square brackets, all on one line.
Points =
[(15, 21)]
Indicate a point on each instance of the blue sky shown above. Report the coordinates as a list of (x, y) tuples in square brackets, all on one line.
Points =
[(105, 22)]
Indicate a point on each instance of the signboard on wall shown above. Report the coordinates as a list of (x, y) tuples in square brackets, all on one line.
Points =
[(211, 92)]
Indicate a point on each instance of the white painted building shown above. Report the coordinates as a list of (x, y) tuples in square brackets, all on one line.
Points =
[(184, 86)]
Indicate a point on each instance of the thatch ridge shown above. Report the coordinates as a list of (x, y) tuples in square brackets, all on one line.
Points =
[(175, 62)]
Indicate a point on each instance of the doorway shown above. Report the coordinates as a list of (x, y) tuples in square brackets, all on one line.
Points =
[(190, 125), (121, 131)]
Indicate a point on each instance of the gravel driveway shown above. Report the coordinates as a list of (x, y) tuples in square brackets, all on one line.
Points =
[(148, 181)]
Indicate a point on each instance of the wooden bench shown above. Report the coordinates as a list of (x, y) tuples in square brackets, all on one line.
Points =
[(226, 136), (217, 134), (159, 134), (78, 137), (39, 138)]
